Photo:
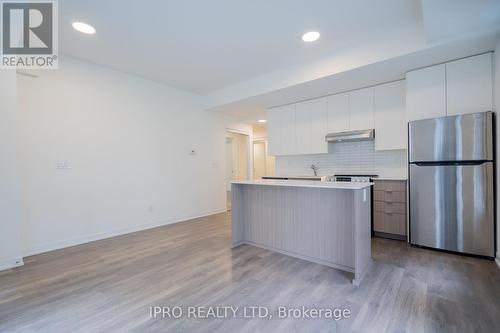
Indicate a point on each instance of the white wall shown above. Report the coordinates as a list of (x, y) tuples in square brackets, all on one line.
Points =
[(496, 103), (346, 158), (10, 247), (127, 141)]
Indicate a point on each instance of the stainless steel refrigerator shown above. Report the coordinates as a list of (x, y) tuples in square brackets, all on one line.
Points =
[(451, 171)]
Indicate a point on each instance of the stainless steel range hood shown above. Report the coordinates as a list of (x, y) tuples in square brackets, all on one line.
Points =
[(361, 135)]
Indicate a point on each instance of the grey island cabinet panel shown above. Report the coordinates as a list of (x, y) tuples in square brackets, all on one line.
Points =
[(325, 224)]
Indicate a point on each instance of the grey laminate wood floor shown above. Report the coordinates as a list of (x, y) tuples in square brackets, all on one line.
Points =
[(108, 286)]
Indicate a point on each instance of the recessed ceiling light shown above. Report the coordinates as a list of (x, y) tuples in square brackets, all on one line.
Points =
[(310, 36), (262, 120), (84, 27)]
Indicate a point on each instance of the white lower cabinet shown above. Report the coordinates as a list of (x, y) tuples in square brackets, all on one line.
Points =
[(390, 116)]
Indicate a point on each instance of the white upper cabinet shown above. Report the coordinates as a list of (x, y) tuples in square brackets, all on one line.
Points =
[(274, 130), (457, 87), (319, 122), (361, 109), (426, 93), (338, 113), (390, 116), (469, 85), (288, 134), (303, 127), (281, 130), (311, 126)]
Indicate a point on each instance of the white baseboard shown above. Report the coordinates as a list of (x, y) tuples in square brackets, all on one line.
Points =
[(11, 263), (100, 236)]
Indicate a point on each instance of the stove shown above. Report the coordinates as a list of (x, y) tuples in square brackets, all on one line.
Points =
[(352, 178)]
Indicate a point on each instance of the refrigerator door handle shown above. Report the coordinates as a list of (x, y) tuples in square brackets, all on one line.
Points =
[(452, 163)]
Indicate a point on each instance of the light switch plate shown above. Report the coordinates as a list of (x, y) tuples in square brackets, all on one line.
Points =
[(63, 165)]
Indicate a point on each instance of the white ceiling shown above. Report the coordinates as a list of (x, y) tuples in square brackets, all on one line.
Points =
[(254, 107), (245, 56), (203, 46), (449, 19), (450, 29)]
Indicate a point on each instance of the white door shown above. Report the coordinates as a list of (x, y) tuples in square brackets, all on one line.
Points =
[(259, 160), (361, 109), (426, 93), (469, 85)]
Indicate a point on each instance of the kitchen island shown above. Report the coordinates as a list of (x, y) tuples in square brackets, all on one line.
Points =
[(324, 222)]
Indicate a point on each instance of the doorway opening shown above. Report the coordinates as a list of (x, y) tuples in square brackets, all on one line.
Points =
[(263, 163), (237, 166)]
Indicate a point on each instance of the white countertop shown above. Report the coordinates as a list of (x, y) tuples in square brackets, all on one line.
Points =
[(390, 178), (305, 183)]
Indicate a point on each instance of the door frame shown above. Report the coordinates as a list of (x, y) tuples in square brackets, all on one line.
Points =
[(249, 144)]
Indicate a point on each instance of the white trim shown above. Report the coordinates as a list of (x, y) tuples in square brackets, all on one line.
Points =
[(104, 235), (497, 260), (237, 131), (11, 263)]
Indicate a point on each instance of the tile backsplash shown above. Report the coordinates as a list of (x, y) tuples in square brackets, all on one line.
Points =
[(346, 158)]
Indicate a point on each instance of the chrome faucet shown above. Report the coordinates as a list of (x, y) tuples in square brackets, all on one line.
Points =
[(314, 169)]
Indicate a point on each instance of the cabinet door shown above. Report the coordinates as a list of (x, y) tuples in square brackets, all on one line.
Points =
[(288, 134), (319, 122), (426, 93), (274, 131), (361, 109), (303, 127), (390, 116), (338, 113), (469, 85)]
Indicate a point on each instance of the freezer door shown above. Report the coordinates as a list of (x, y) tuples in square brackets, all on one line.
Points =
[(452, 207), (465, 137)]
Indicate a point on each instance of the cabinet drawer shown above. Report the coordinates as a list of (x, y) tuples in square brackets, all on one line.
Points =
[(389, 196), (390, 207), (390, 185), (389, 223)]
